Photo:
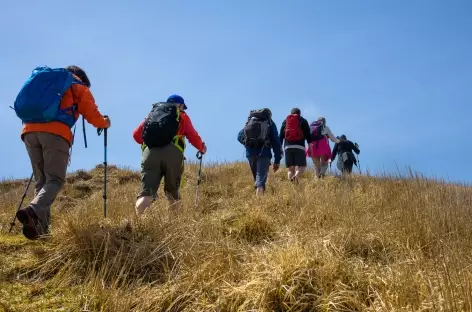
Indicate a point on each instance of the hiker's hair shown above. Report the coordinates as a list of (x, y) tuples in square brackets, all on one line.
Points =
[(295, 111), (343, 137), (322, 119), (79, 72)]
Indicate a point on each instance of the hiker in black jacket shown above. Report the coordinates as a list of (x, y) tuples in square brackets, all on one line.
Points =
[(344, 150), (295, 131)]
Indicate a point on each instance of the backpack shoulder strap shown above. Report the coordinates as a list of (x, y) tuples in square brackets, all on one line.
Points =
[(75, 107)]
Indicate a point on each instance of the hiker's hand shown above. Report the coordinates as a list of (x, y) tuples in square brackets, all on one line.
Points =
[(276, 167), (204, 150), (108, 121)]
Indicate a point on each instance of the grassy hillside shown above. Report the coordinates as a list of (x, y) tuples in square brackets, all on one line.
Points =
[(363, 244)]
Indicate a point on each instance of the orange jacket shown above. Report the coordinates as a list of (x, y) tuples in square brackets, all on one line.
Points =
[(86, 107), (186, 129)]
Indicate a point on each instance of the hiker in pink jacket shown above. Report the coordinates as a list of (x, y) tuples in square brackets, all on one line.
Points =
[(320, 151)]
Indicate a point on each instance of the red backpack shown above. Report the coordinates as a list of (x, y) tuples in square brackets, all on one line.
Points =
[(293, 129)]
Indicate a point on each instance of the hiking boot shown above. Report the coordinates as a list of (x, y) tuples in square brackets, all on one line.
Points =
[(31, 224)]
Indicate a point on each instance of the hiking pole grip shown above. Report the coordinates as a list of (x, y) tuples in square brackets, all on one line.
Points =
[(100, 130), (105, 138), (199, 155)]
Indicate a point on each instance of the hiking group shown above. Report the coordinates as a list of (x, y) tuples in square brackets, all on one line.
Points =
[(52, 99), (260, 137)]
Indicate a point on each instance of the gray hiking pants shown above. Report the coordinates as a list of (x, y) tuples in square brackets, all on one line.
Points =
[(49, 155), (345, 162)]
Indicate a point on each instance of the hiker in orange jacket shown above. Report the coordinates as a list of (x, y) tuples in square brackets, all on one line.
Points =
[(166, 161), (48, 147)]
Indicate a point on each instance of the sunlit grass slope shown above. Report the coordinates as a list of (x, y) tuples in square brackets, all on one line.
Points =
[(361, 244)]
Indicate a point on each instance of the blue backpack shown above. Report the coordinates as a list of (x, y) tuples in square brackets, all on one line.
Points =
[(39, 100)]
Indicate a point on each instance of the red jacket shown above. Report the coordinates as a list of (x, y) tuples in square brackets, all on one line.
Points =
[(186, 130)]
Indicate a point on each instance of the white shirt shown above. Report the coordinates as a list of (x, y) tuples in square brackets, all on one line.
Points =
[(327, 131)]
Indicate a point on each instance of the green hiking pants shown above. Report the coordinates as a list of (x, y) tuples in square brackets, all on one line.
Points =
[(161, 162)]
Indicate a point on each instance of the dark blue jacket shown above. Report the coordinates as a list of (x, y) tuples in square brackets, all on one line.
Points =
[(265, 151)]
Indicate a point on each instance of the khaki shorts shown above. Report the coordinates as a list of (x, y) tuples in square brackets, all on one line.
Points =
[(161, 162)]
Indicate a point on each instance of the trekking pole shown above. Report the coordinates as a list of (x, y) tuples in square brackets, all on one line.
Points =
[(199, 178), (12, 223), (105, 139), (358, 161)]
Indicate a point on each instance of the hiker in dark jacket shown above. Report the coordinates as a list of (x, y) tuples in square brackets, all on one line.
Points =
[(295, 131), (259, 141), (344, 150)]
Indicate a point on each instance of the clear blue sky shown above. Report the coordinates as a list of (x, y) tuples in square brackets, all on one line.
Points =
[(395, 76)]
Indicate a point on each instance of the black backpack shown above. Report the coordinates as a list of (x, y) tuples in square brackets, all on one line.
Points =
[(257, 129), (161, 125)]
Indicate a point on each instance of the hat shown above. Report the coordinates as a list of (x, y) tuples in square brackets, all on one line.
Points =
[(177, 99)]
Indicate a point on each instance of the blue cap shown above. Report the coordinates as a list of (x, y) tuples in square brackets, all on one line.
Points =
[(174, 98)]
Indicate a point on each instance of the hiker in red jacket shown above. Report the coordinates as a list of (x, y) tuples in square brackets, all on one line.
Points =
[(162, 137)]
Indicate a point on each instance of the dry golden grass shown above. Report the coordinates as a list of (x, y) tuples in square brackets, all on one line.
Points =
[(361, 244)]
